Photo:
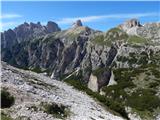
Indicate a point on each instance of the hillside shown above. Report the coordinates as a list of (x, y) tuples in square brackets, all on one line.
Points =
[(34, 91)]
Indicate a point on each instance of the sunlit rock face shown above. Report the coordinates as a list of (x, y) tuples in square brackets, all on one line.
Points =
[(93, 84)]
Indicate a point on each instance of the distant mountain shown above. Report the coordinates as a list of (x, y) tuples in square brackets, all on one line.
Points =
[(26, 32), (121, 64)]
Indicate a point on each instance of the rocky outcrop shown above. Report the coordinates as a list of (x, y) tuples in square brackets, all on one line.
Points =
[(93, 83), (77, 23), (8, 38), (149, 30), (130, 24), (52, 27)]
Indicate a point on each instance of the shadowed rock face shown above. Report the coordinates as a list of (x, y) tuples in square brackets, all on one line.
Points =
[(8, 38), (52, 27), (103, 79)]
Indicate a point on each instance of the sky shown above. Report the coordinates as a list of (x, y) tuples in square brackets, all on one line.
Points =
[(97, 15)]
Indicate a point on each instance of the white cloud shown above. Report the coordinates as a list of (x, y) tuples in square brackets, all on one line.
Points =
[(6, 25), (9, 16), (101, 17)]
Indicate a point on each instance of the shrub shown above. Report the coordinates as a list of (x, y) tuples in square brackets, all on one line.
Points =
[(118, 107), (122, 58), (58, 111), (155, 72), (37, 70), (144, 99), (153, 84), (7, 100), (111, 103), (5, 117)]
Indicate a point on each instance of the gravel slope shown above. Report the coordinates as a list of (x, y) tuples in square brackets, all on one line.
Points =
[(30, 89)]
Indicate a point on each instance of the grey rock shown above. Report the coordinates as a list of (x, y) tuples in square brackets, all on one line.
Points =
[(77, 23), (52, 27)]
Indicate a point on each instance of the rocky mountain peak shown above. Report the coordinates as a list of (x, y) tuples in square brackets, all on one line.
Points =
[(77, 23), (130, 26), (26, 24), (132, 23), (52, 27), (39, 23)]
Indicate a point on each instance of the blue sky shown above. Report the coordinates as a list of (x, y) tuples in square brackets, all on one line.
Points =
[(98, 15)]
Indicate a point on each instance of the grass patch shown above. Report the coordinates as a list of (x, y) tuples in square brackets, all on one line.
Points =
[(5, 117), (136, 39), (111, 36)]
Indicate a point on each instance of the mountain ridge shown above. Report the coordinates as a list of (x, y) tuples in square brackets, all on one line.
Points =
[(108, 61)]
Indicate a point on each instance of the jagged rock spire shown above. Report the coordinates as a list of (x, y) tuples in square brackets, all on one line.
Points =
[(132, 23), (77, 23)]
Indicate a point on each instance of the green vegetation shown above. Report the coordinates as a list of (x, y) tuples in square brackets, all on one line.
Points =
[(155, 72), (36, 69), (58, 111), (136, 39), (7, 100), (5, 117), (112, 104), (39, 70), (99, 39), (115, 30), (135, 58), (122, 58), (111, 36), (144, 99), (98, 71), (115, 34)]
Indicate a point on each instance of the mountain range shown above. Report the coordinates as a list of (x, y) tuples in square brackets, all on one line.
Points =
[(119, 67)]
